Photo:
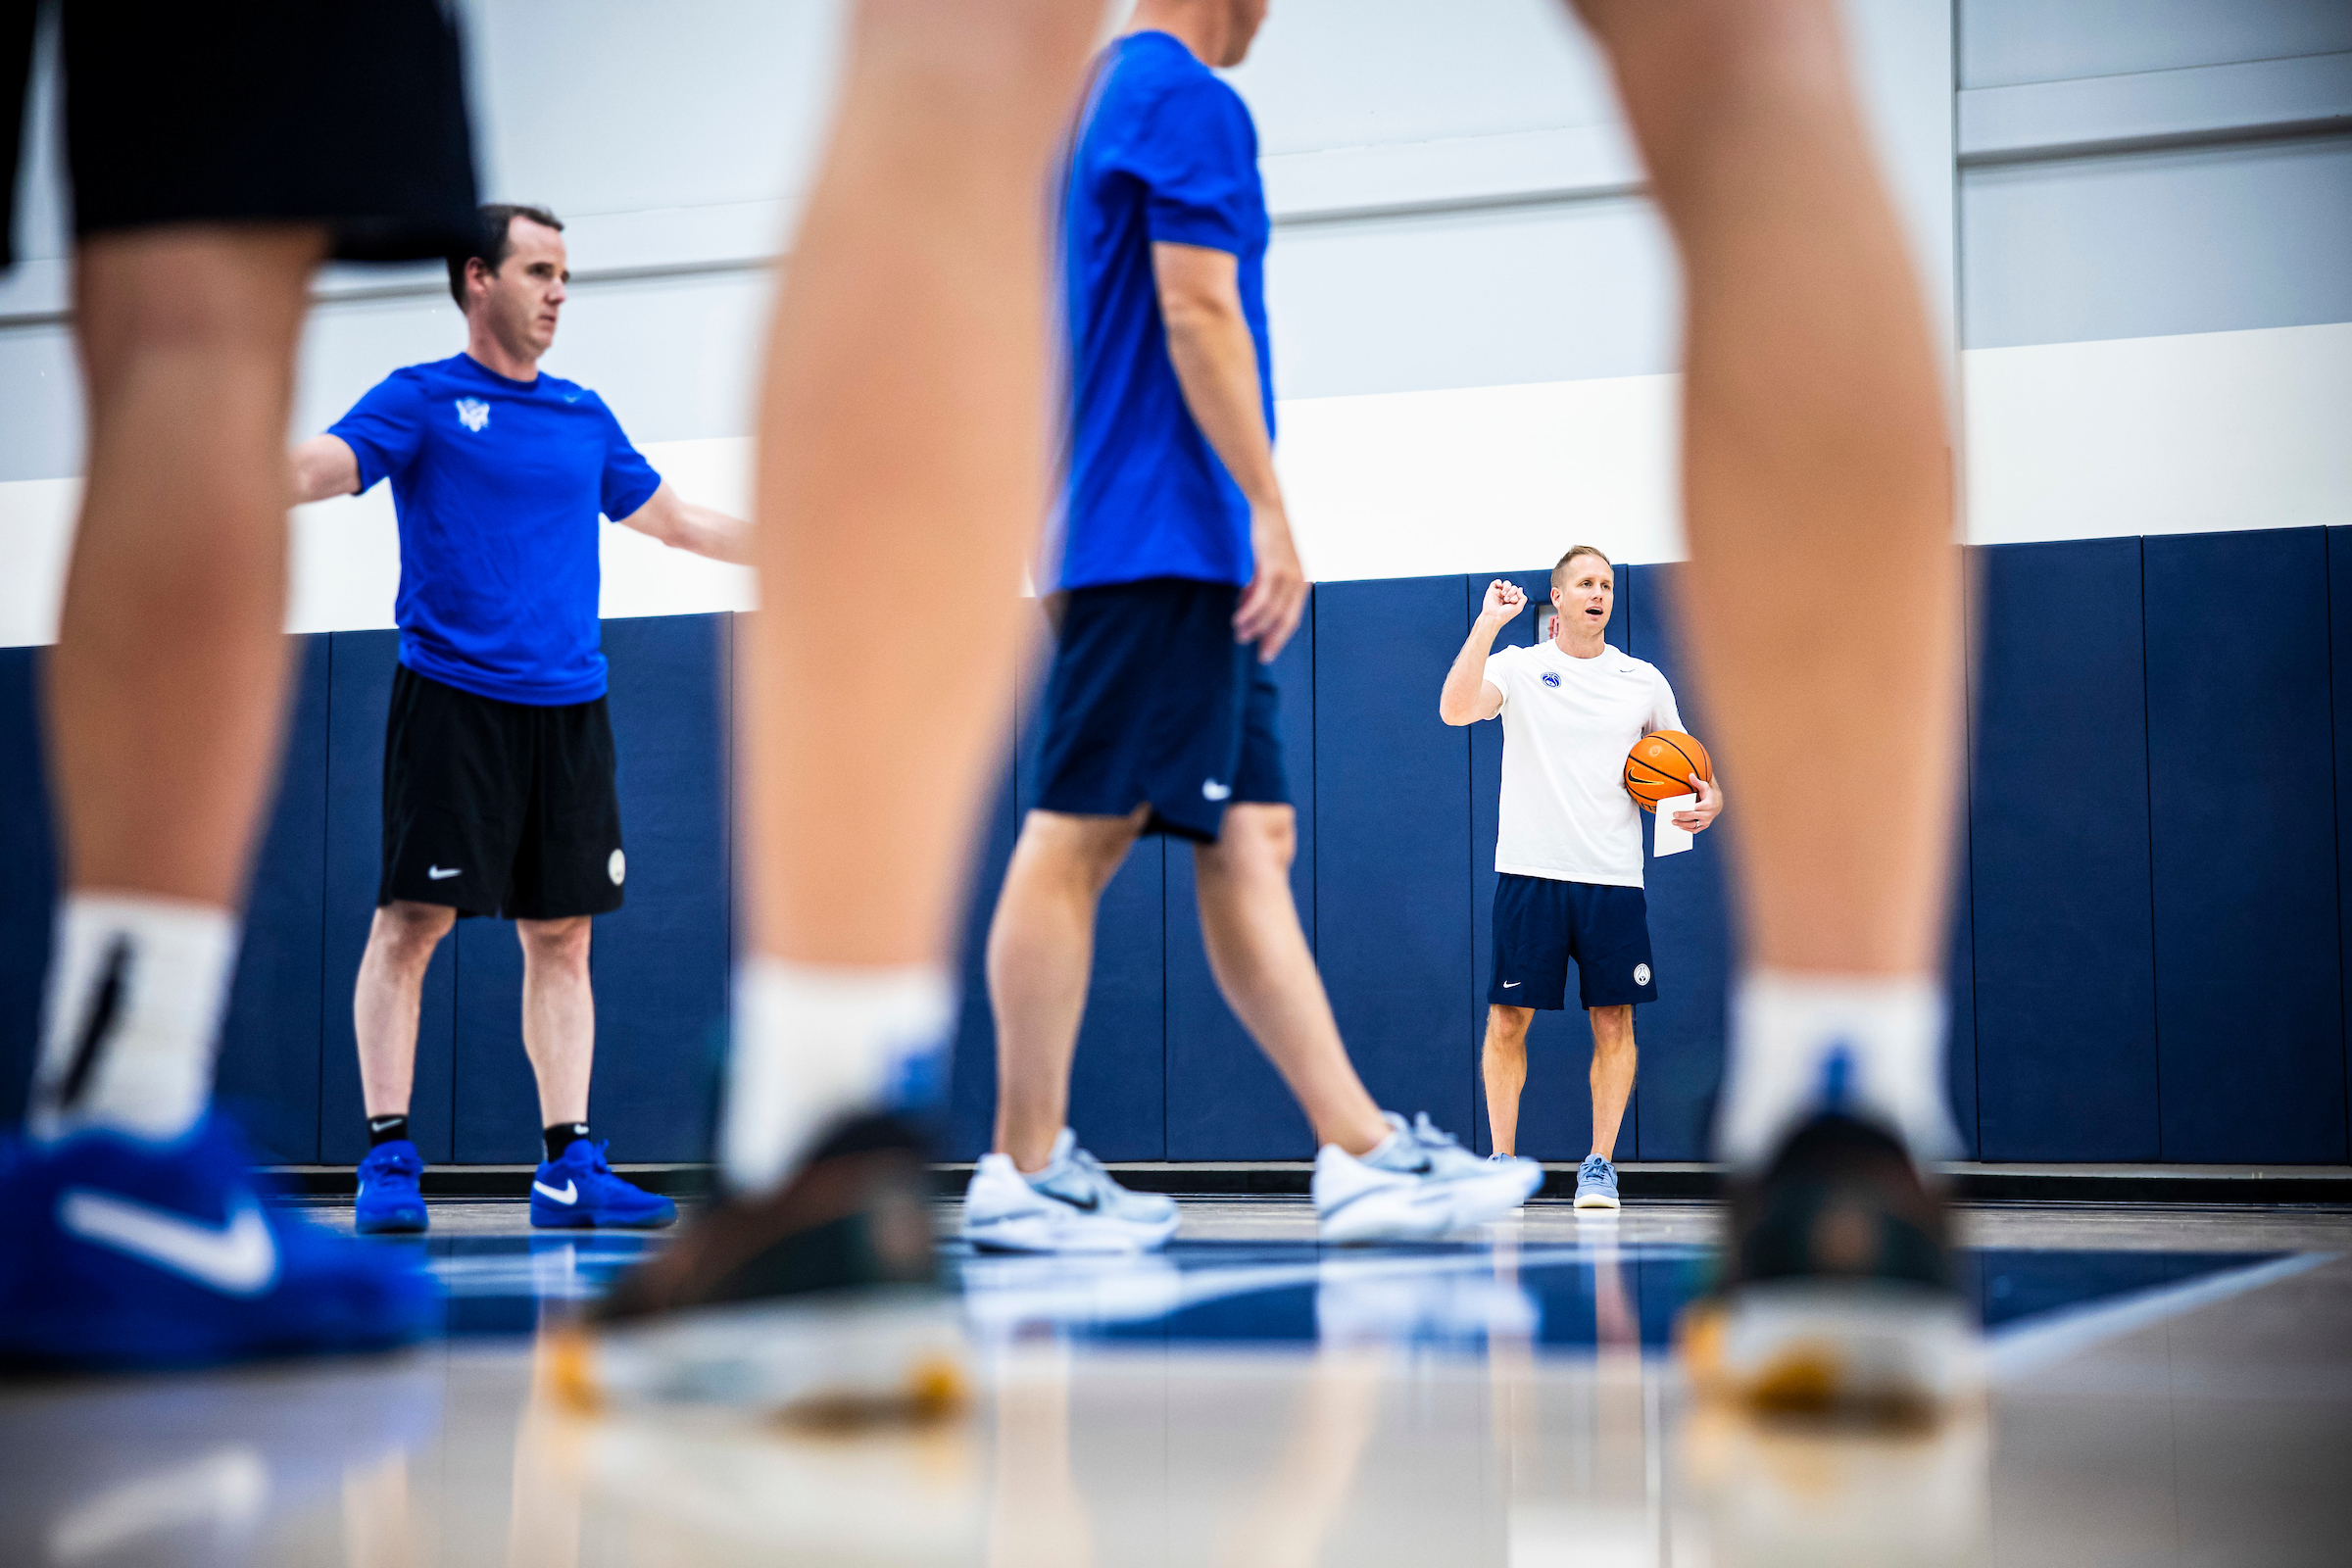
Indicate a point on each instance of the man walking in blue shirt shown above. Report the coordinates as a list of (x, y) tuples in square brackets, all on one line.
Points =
[(1174, 585), (499, 793)]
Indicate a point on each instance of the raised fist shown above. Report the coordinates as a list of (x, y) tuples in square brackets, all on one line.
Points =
[(1503, 600)]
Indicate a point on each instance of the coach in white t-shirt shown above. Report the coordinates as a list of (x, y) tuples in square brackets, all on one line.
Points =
[(1569, 850)]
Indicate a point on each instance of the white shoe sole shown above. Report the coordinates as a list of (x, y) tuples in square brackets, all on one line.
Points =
[(1420, 1211), (1838, 1345), (852, 1354), (1031, 1231), (1595, 1201)]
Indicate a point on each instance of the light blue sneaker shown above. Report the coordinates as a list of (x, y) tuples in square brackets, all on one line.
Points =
[(389, 1202), (1597, 1183)]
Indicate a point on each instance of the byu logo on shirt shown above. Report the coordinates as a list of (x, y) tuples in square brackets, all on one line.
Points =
[(1552, 677), (472, 412)]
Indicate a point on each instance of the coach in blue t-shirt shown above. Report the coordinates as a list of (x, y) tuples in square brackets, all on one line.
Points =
[(499, 793), (1173, 583)]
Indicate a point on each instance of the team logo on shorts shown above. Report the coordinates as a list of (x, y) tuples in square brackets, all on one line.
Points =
[(617, 867), (1641, 970), (1551, 678), (472, 412), (1211, 790)]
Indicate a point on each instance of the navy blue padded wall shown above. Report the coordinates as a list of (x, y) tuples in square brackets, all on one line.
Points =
[(1393, 919), (28, 875), (2340, 664), (2250, 1001), (972, 1080), (659, 963), (1682, 1034), (1119, 1083), (2059, 854), (269, 1073), (1224, 1098), (1960, 947), (1555, 1105), (359, 692)]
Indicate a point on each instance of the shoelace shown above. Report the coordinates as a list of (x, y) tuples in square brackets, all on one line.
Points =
[(1594, 1165), (399, 1165), (1427, 1133)]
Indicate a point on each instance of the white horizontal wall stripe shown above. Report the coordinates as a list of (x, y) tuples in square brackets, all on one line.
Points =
[(2213, 432)]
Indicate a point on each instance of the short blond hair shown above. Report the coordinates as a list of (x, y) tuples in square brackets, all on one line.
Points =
[(1559, 573)]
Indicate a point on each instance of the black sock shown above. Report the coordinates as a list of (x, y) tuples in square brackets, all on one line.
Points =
[(386, 1129), (561, 1136)]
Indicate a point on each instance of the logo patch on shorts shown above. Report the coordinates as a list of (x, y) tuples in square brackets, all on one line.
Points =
[(1641, 970), (1211, 790), (1552, 677), (472, 412), (617, 867)]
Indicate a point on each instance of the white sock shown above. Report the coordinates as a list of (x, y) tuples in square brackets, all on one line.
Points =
[(814, 1042), (1870, 1046), (132, 1015)]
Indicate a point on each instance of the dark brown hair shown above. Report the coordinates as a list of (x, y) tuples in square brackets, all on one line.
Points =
[(493, 242)]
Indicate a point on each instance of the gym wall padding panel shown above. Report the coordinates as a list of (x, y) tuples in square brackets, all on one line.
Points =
[(2059, 854), (1681, 1035), (360, 694), (972, 1075), (28, 875), (2339, 665), (1118, 1081), (268, 1064), (1224, 1098), (2249, 1003), (494, 1094), (1392, 917), (1555, 1104), (661, 964)]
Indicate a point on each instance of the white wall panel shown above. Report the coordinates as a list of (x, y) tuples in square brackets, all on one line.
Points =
[(2003, 42)]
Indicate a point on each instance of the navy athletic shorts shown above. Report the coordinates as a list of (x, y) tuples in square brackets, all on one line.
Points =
[(1542, 924), (1150, 700)]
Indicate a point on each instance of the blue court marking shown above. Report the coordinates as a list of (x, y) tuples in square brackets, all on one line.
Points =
[(1441, 1295)]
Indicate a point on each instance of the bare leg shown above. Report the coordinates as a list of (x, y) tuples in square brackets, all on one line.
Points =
[(1040, 951), (167, 687), (385, 1004), (903, 455), (1613, 1060), (1814, 432), (1260, 955), (1502, 1062), (559, 1014)]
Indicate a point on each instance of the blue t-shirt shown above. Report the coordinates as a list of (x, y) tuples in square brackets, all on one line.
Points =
[(1164, 151), (498, 484)]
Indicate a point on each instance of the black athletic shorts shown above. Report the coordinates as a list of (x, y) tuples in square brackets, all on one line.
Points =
[(350, 112), (1541, 925), (495, 808), (1150, 700)]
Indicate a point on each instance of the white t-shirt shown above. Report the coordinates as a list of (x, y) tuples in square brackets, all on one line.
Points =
[(1567, 726)]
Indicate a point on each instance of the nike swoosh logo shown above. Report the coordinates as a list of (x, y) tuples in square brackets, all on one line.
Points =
[(437, 874), (1512, 985), (237, 1258), (570, 1195)]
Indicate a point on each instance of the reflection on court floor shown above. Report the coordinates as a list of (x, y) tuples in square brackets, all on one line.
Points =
[(1242, 1398)]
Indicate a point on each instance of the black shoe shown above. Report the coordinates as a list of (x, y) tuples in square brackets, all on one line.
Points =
[(1839, 1291), (823, 1299)]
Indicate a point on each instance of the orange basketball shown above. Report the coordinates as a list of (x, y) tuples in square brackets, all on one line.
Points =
[(1661, 764)]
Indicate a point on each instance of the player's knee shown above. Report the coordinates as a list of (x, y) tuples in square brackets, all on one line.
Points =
[(557, 942), (1508, 1025), (407, 933), (1613, 1028), (214, 288)]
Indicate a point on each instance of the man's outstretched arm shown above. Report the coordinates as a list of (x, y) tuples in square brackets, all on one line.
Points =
[(320, 468), (683, 525)]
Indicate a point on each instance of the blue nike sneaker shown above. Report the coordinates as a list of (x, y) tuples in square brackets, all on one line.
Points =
[(126, 1253), (389, 1202), (1597, 1183), (579, 1192)]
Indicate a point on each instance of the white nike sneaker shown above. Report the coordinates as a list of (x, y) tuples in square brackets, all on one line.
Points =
[(1072, 1206), (1417, 1185)]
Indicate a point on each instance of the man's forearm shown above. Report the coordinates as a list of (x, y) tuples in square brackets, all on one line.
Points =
[(706, 532), (1458, 700), (1216, 368)]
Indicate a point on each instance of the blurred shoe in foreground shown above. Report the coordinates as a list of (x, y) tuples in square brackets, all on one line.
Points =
[(821, 1299), (1837, 1289)]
